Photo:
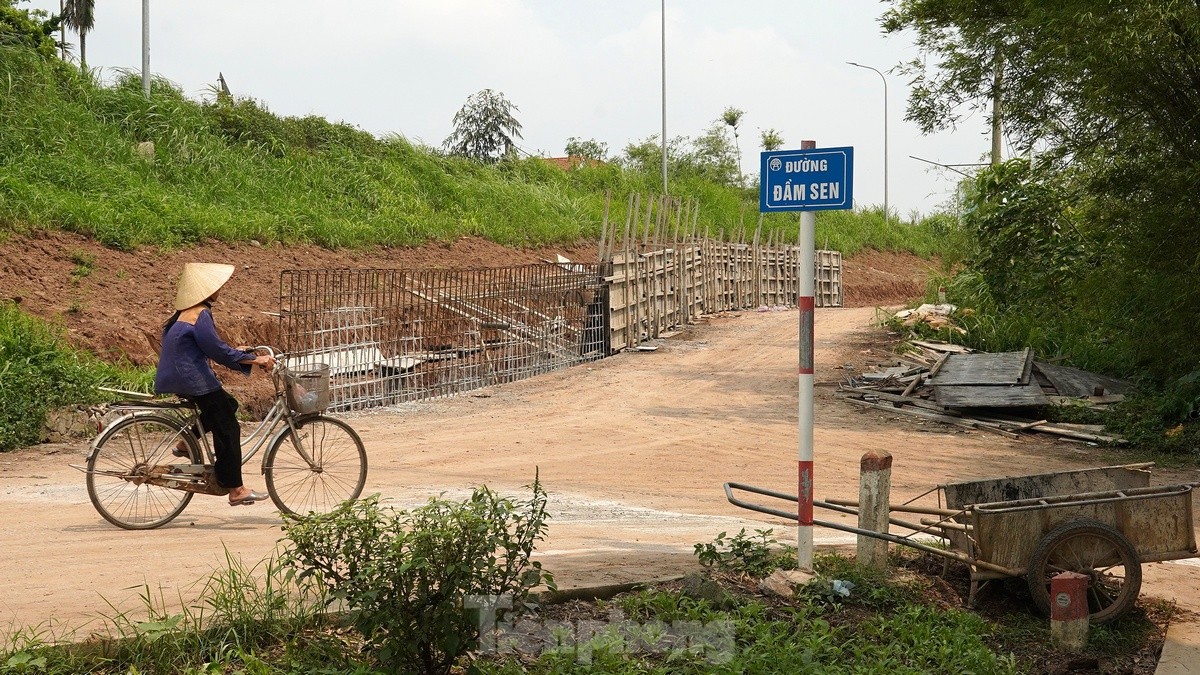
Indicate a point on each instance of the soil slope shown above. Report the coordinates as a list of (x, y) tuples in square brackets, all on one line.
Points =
[(109, 299)]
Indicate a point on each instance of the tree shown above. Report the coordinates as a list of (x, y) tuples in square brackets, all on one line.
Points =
[(1109, 93), (771, 140), (713, 156), (27, 28), (80, 15), (645, 156), (485, 128), (732, 118), (589, 149)]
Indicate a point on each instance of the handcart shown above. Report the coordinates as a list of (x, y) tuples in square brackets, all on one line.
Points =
[(1102, 523)]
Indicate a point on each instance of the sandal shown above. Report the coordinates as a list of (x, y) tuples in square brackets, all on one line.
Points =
[(181, 449), (248, 499)]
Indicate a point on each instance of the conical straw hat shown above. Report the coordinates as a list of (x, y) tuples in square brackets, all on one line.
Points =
[(199, 281)]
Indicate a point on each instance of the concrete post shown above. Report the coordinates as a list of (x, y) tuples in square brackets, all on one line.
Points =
[(1069, 611), (874, 491)]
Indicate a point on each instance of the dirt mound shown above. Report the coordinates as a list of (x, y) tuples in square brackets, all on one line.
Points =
[(877, 278)]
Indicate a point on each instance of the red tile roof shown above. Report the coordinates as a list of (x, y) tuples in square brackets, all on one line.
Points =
[(571, 162)]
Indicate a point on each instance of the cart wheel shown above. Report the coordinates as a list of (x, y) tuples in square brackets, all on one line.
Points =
[(1093, 549)]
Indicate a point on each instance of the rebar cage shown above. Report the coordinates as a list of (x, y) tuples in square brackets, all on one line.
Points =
[(391, 336)]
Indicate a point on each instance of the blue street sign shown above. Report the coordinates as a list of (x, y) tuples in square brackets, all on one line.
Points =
[(821, 179)]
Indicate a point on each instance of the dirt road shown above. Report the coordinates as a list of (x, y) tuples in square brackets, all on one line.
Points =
[(632, 449)]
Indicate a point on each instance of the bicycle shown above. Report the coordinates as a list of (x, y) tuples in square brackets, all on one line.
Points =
[(146, 464)]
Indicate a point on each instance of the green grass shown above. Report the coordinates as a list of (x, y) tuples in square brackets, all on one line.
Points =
[(261, 619), (251, 619), (232, 170)]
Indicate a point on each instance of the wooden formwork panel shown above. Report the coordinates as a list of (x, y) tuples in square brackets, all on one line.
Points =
[(663, 287)]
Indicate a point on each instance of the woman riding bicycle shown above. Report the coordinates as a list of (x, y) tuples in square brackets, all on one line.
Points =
[(189, 340)]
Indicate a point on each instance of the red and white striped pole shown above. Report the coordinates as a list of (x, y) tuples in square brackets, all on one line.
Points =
[(807, 303)]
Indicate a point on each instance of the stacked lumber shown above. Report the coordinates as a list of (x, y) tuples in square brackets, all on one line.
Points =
[(1002, 393)]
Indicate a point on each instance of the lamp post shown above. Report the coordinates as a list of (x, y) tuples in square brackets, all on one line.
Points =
[(885, 136), (146, 48), (664, 96)]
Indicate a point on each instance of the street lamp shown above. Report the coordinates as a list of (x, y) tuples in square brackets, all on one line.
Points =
[(146, 48), (885, 136), (664, 96)]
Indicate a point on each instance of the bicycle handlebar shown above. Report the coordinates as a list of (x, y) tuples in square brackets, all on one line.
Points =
[(266, 348)]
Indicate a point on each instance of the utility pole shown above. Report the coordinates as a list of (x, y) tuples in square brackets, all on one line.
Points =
[(886, 212), (664, 96), (146, 48)]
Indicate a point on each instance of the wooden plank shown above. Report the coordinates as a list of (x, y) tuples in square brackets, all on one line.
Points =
[(937, 417), (1075, 382), (943, 347), (987, 396), (983, 369), (913, 385), (899, 398), (938, 365), (1010, 424), (1080, 435)]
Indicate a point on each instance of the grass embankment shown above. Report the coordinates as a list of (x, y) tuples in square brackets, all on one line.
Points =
[(231, 170)]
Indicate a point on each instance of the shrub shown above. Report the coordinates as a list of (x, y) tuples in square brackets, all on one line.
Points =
[(409, 578), (756, 555)]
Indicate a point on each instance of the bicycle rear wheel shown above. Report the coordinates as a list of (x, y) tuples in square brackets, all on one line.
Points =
[(126, 455), (337, 472)]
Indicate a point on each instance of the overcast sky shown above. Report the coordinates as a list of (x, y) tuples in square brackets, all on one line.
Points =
[(586, 68)]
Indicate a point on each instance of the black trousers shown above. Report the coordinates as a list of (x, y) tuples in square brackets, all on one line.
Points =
[(218, 414)]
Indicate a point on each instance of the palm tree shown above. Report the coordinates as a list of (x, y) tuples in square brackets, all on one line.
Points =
[(81, 16)]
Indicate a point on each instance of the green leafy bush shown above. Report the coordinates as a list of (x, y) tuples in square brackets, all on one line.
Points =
[(410, 578), (756, 555)]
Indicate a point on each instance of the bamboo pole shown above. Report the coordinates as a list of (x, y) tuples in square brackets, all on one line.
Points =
[(630, 279), (604, 227), (756, 262)]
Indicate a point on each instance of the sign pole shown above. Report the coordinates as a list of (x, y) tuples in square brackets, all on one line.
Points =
[(807, 303), (806, 180)]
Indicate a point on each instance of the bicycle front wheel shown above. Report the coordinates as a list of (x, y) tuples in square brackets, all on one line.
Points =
[(323, 465), (126, 456)]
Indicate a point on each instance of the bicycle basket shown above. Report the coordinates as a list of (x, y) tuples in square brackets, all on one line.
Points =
[(308, 390)]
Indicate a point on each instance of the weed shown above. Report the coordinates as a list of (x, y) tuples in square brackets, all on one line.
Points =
[(756, 555), (84, 264)]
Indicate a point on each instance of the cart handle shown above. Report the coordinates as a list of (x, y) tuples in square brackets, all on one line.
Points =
[(888, 537)]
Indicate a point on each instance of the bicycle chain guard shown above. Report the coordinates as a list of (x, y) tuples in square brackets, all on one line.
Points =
[(196, 478)]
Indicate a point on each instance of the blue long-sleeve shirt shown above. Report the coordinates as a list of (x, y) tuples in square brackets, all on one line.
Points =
[(186, 348)]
